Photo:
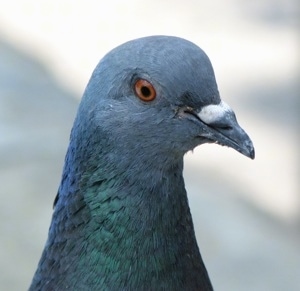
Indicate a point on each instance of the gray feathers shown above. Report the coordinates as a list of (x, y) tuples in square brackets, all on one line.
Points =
[(121, 219)]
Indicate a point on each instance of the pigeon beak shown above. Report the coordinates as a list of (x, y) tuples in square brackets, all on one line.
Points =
[(223, 128)]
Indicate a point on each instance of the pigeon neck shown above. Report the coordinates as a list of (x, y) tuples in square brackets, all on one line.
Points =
[(144, 226), (133, 225)]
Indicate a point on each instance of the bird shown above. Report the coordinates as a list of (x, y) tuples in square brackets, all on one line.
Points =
[(121, 218)]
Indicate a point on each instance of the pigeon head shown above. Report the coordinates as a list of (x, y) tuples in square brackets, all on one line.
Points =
[(157, 95), (121, 218)]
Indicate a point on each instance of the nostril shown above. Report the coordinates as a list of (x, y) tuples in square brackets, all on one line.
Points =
[(221, 126), (225, 127)]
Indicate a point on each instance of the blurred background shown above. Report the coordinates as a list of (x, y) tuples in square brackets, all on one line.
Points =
[(246, 213)]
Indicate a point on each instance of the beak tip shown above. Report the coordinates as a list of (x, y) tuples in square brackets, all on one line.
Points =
[(250, 151), (252, 154)]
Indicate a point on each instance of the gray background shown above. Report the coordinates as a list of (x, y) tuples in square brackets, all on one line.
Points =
[(246, 213)]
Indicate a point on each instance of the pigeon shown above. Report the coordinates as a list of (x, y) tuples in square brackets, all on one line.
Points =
[(121, 218)]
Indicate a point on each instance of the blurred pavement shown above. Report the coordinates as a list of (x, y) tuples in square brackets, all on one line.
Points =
[(246, 213)]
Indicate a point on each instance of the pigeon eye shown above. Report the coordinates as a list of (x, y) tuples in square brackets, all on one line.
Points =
[(144, 90)]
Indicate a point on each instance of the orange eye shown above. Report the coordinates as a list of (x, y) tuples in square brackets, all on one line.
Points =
[(144, 90)]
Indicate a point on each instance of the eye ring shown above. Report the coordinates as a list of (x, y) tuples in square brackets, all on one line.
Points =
[(144, 90)]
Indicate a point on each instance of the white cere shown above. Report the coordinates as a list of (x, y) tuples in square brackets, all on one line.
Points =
[(213, 112)]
